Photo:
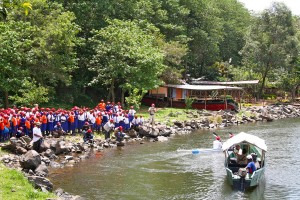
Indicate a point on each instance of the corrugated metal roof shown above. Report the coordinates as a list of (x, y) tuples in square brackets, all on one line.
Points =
[(227, 82), (204, 87)]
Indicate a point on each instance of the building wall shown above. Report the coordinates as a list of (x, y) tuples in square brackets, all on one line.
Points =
[(161, 92)]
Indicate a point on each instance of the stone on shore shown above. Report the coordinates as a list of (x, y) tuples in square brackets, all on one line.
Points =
[(31, 160)]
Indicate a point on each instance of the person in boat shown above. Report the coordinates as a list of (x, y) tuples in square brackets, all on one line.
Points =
[(217, 144), (242, 159), (251, 165), (238, 150), (88, 136), (254, 157)]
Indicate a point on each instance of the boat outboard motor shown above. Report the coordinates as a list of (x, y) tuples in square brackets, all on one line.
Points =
[(242, 173)]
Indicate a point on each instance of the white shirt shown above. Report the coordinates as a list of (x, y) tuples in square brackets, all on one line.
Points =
[(126, 120), (81, 117), (108, 126), (135, 121), (36, 131), (239, 152), (92, 119), (140, 120), (131, 112), (217, 144)]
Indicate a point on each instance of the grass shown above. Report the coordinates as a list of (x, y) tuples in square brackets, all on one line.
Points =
[(79, 137), (167, 115), (14, 186)]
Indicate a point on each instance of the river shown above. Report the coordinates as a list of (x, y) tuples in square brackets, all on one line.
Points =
[(155, 170)]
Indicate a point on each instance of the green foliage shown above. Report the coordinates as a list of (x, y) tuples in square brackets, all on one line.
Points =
[(188, 102), (134, 98), (30, 93), (126, 55), (269, 96), (271, 43)]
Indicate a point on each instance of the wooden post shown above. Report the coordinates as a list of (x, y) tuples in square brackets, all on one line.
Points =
[(205, 99)]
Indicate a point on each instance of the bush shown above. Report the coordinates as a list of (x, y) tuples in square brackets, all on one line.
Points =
[(188, 102)]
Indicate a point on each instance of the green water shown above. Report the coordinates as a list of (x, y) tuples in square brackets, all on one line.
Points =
[(158, 171)]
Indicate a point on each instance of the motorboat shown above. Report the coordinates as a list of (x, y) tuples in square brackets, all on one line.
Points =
[(237, 174)]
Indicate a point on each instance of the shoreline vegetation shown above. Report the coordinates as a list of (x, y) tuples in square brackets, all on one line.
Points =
[(69, 150)]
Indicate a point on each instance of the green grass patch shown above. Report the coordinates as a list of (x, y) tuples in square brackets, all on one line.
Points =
[(167, 115), (14, 186)]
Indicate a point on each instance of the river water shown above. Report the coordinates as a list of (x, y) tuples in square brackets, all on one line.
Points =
[(158, 171)]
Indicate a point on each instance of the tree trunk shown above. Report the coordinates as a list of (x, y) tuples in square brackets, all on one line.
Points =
[(263, 81), (122, 97), (112, 90), (294, 89)]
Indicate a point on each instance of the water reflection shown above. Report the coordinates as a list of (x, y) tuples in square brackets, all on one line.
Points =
[(158, 171)]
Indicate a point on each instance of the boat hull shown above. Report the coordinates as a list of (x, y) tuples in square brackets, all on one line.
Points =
[(239, 183)]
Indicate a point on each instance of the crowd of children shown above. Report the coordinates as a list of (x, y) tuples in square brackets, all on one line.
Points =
[(20, 121)]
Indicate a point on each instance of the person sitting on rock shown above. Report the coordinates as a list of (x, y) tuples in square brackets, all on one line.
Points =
[(58, 130), (85, 127), (20, 132), (119, 134), (88, 136)]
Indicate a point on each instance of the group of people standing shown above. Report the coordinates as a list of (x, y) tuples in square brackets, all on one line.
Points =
[(104, 117)]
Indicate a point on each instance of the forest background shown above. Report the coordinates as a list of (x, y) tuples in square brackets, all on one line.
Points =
[(73, 52)]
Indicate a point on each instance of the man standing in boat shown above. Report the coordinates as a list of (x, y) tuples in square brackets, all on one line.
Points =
[(152, 111)]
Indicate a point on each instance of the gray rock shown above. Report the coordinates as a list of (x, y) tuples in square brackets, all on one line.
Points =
[(68, 157), (40, 182), (46, 160), (54, 164), (20, 150), (31, 160), (26, 139), (41, 170), (49, 153), (162, 139)]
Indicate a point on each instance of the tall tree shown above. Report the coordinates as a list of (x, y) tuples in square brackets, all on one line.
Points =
[(271, 42), (126, 55)]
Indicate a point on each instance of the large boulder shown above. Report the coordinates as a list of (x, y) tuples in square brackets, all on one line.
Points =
[(41, 170), (59, 147), (179, 124), (44, 146), (20, 150), (41, 182), (26, 139), (31, 160), (132, 133)]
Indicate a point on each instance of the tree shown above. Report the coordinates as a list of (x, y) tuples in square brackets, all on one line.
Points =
[(37, 46), (15, 42), (30, 93), (126, 56), (271, 43)]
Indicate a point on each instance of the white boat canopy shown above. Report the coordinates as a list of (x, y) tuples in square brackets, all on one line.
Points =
[(244, 137)]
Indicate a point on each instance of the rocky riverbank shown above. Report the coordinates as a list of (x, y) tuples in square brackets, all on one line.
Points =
[(61, 152)]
